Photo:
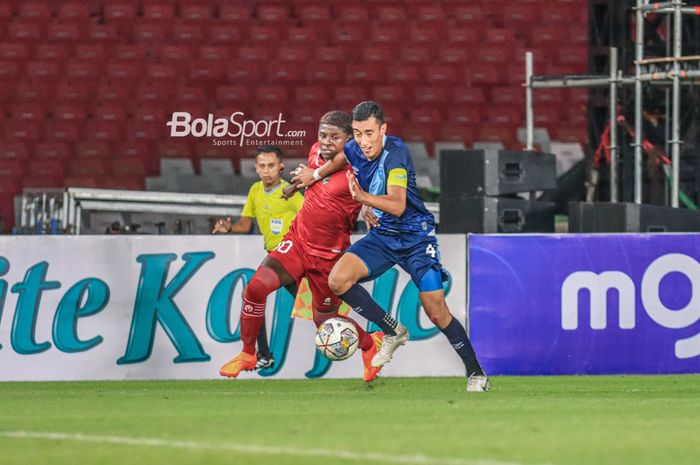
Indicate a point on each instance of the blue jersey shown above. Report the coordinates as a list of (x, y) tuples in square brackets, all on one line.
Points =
[(392, 167)]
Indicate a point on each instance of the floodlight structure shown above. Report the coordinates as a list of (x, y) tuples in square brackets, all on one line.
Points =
[(665, 71)]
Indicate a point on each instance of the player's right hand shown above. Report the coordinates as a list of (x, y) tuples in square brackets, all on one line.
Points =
[(370, 218), (303, 176), (222, 226)]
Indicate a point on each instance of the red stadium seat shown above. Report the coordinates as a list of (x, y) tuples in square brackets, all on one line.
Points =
[(263, 34), (70, 91), (22, 131), (470, 95), (349, 96), (105, 33), (330, 54), (501, 36), (206, 70), (105, 130), (306, 115), (391, 12), (174, 149), (455, 132), (504, 115), (324, 75), (301, 35), (297, 54), (232, 95), (272, 13), (495, 54), (348, 35), (187, 33), (465, 36), (431, 95), (137, 130), (430, 116), (119, 10), (195, 12), (245, 72), (225, 34), (454, 54), (441, 74), (25, 31), (84, 70), (128, 52), (124, 70), (363, 74), (389, 94), (345, 12), (9, 71), (497, 133), (150, 31), (521, 15), (70, 112), (13, 151), (34, 10), (378, 53), (115, 90), (47, 167), (316, 95), (11, 169), (63, 131), (403, 74), (93, 149), (508, 96), (57, 150), (156, 92), (28, 111), (128, 166), (253, 53), (214, 52), (386, 33), (464, 114), (430, 13), (158, 11), (416, 54), (85, 181), (90, 52), (235, 13), (161, 71), (74, 11), (177, 53), (485, 73), (421, 33), (271, 94), (466, 12), (69, 32), (51, 51), (14, 51), (285, 72), (314, 14)]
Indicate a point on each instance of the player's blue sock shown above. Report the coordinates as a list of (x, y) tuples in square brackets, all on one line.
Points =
[(360, 301), (460, 342)]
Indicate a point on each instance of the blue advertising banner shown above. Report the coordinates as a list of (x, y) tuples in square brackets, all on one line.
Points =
[(585, 304)]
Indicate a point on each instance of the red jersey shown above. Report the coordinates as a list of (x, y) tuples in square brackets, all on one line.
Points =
[(329, 213)]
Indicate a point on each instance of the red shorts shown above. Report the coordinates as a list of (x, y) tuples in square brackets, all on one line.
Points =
[(291, 255)]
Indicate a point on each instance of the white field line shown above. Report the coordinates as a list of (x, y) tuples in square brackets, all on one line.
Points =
[(250, 449)]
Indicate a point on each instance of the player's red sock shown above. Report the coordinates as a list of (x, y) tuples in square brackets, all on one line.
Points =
[(255, 295), (366, 342)]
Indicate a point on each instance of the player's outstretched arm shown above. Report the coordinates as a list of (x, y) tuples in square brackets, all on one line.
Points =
[(393, 202), (305, 176)]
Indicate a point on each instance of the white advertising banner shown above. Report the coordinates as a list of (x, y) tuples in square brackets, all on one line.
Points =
[(168, 307)]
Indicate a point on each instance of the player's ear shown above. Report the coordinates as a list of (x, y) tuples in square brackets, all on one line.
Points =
[(281, 166)]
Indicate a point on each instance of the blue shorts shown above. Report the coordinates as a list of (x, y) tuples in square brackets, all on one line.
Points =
[(417, 254)]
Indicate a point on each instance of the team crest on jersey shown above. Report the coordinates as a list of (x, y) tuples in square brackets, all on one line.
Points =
[(327, 301), (326, 180)]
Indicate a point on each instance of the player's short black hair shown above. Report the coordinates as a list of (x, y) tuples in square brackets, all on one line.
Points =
[(365, 110), (269, 149), (339, 119)]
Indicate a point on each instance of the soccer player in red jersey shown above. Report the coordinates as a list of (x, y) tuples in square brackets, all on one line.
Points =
[(319, 235)]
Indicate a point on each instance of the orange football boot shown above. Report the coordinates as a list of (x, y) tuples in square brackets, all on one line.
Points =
[(240, 362), (371, 372)]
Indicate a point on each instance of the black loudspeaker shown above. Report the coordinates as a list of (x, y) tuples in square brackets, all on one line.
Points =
[(630, 217), (460, 214), (495, 172)]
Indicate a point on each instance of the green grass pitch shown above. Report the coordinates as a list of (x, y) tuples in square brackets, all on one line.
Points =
[(523, 420)]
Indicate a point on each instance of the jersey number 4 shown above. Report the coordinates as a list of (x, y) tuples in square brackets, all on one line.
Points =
[(430, 250)]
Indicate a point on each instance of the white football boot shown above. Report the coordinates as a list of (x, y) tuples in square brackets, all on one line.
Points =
[(389, 346), (478, 383)]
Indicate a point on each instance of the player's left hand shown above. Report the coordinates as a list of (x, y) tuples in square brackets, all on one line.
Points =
[(303, 176), (354, 186)]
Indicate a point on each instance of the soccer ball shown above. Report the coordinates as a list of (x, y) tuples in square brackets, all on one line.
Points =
[(337, 339)]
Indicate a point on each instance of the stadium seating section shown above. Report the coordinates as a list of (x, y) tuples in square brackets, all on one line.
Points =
[(86, 86)]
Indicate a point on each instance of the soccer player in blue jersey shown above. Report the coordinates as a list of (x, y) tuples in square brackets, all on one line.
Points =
[(384, 180)]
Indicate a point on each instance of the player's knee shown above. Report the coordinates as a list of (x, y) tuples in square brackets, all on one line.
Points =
[(339, 282), (264, 282)]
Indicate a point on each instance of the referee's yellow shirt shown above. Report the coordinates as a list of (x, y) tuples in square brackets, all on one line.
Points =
[(273, 213)]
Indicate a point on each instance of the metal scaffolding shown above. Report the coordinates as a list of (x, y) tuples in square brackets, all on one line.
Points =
[(646, 71)]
